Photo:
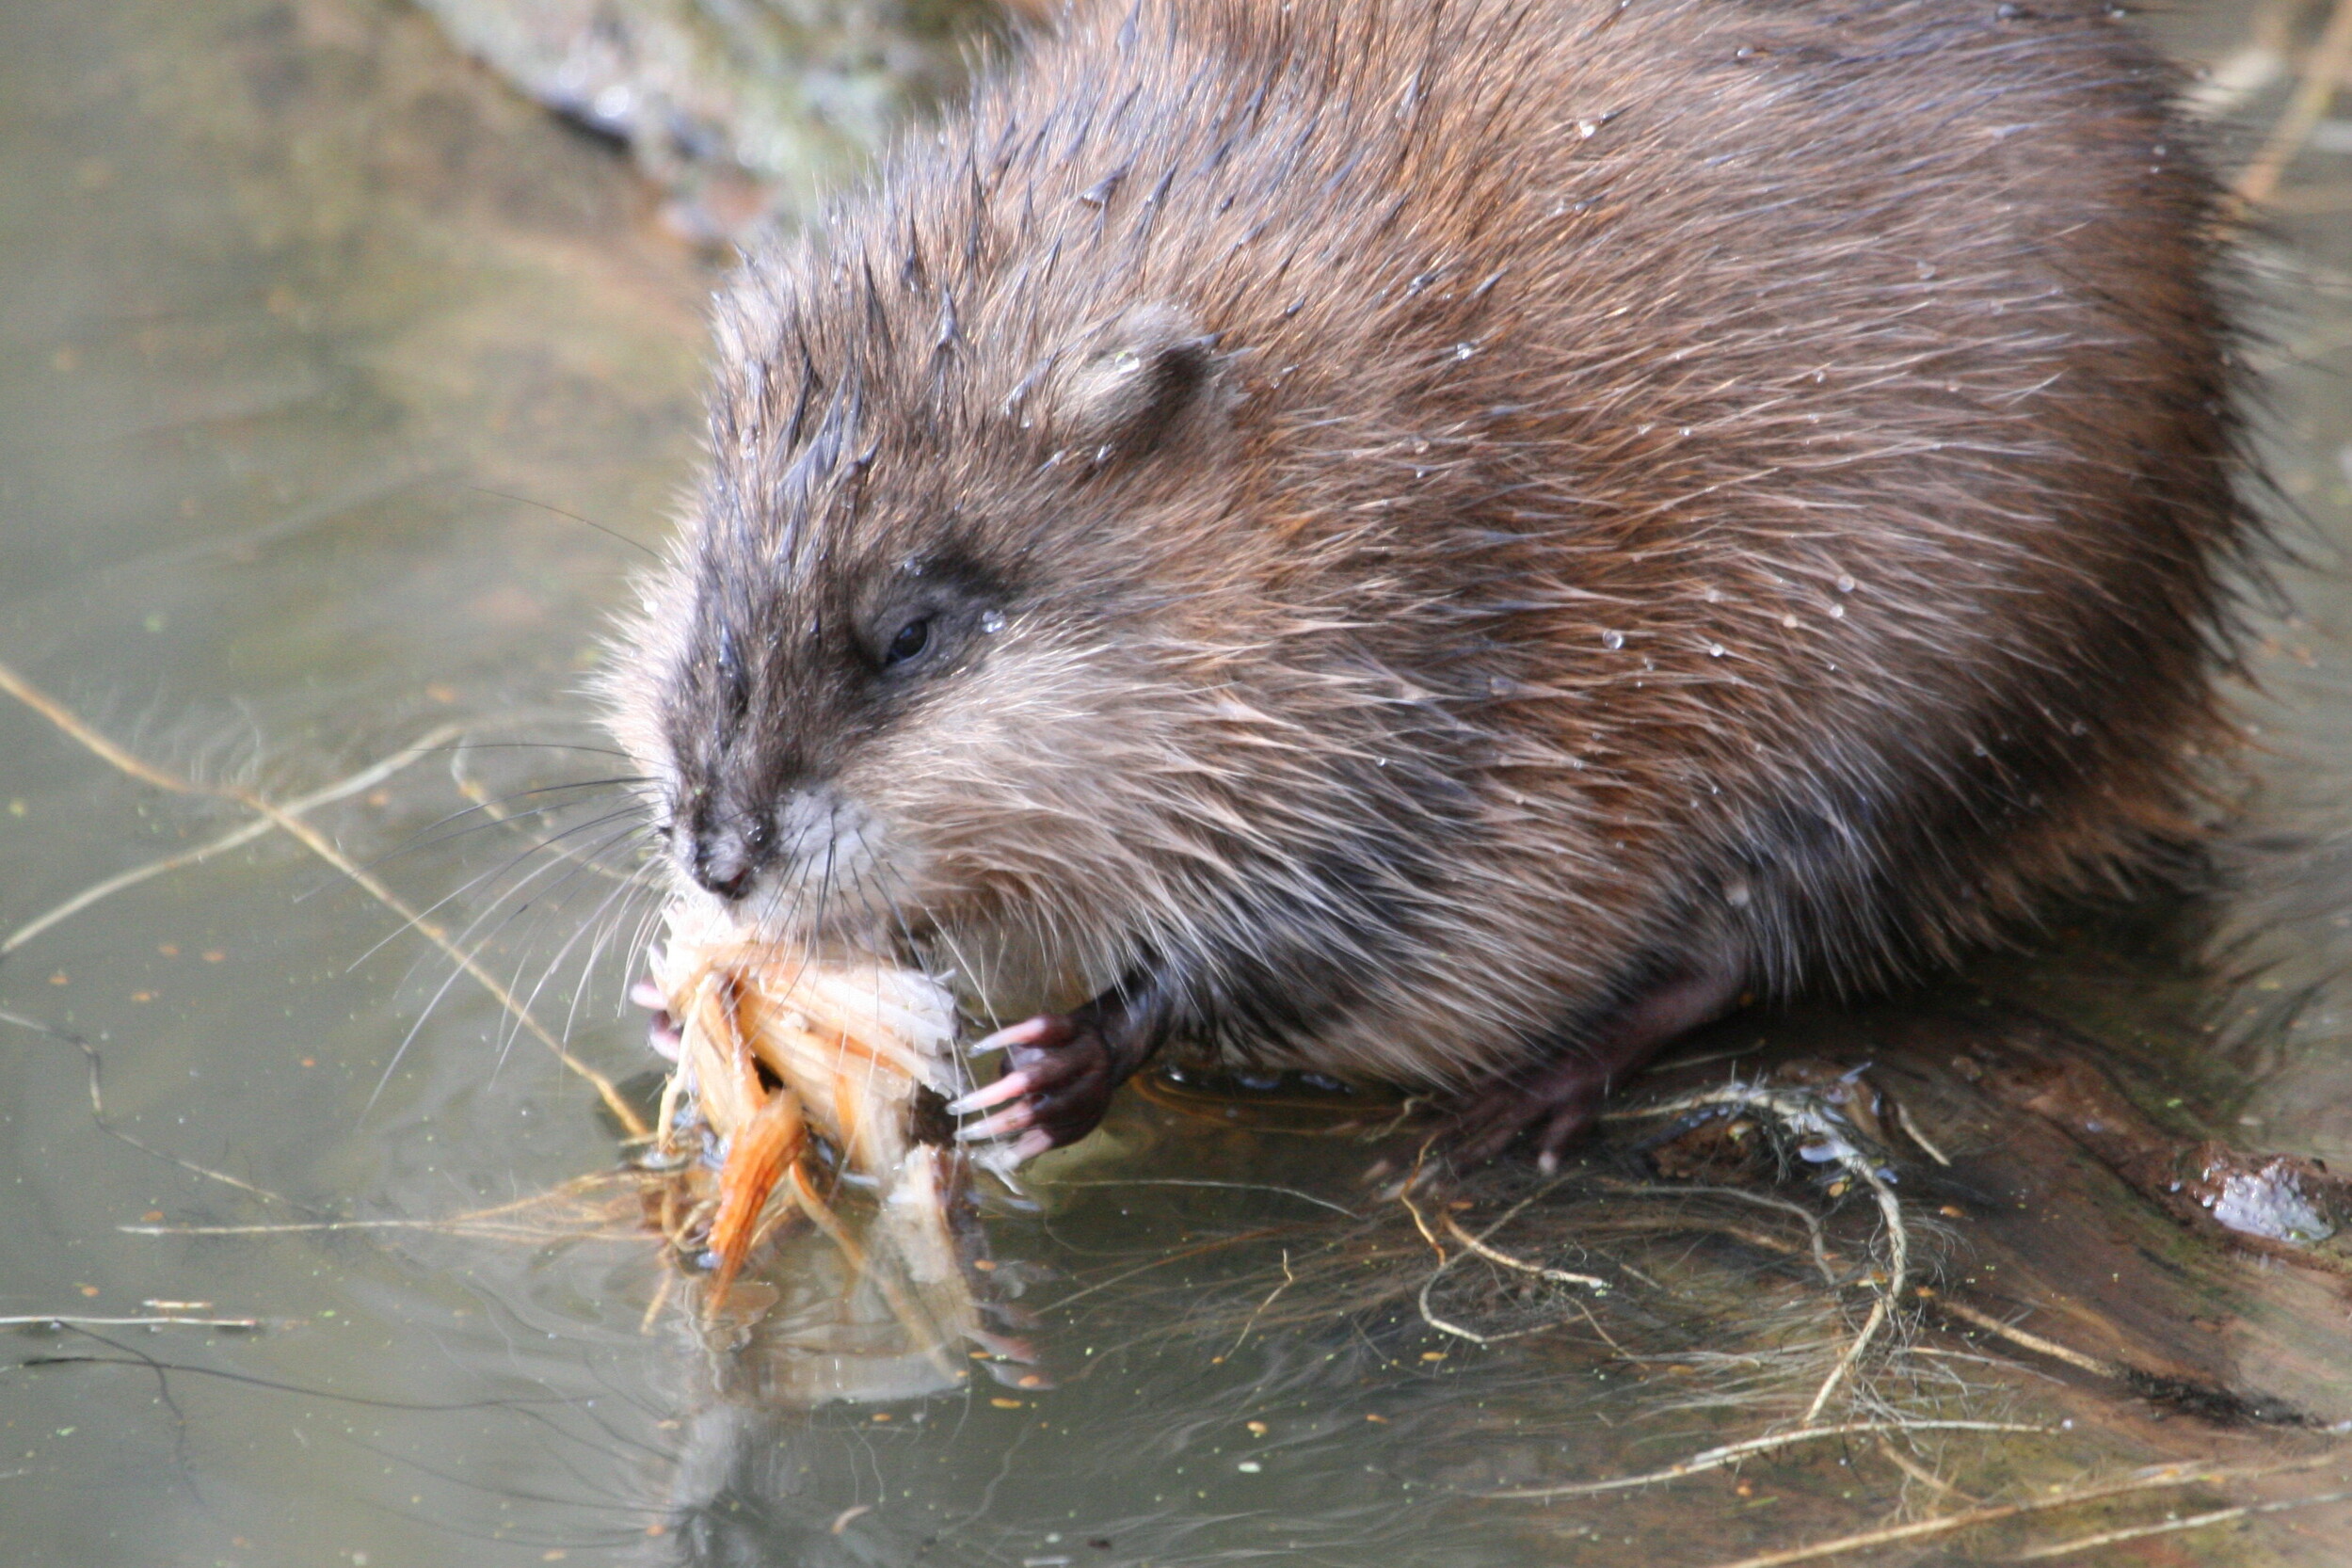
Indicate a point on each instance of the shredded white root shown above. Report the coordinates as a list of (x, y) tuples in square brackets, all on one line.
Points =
[(853, 1038), (1731, 1453), (777, 1043)]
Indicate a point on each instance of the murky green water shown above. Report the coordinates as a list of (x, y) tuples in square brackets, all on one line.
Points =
[(329, 372)]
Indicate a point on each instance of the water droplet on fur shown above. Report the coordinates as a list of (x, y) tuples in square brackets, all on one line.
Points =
[(1465, 350), (1612, 639), (1716, 651), (1844, 583), (992, 620), (1837, 612)]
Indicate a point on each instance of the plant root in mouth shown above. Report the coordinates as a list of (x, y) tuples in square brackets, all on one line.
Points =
[(803, 1079)]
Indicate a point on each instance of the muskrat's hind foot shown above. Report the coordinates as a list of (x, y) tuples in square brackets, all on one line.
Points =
[(1059, 1071), (1558, 1099)]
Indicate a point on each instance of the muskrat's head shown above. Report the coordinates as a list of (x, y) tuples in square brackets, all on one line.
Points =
[(957, 653)]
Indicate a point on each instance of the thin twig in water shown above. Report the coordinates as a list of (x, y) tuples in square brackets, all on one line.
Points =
[(1492, 1254), (1163, 1259), (1810, 1220), (1288, 1279), (1404, 1196), (1447, 1325), (106, 750), (2174, 1526), (2165, 1478), (300, 805), (1731, 1453), (1444, 1261), (1476, 1244), (2024, 1340), (660, 1297), (500, 1221), (1917, 1471), (1910, 1128), (67, 1320), (1592, 1320), (1226, 1186), (96, 1065)]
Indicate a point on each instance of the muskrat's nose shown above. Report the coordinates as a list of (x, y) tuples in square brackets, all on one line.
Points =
[(723, 861)]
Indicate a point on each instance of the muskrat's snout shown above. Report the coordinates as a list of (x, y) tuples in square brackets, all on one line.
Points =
[(723, 847), (787, 861), (723, 858)]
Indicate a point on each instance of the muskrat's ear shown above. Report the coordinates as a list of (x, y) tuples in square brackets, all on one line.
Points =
[(1134, 381)]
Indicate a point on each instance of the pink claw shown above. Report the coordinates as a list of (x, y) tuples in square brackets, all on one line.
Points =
[(646, 994), (1012, 1119), (1023, 1033), (1011, 1087)]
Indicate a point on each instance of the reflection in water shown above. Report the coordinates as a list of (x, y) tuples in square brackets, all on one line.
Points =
[(317, 346)]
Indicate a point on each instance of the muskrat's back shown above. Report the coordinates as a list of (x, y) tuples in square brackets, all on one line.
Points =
[(1479, 529)]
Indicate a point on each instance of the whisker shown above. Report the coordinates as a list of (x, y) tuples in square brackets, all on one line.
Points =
[(506, 1044), (587, 523), (465, 941), (595, 918), (494, 873), (419, 842)]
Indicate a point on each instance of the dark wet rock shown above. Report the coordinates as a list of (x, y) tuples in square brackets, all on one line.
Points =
[(2278, 1198), (2279, 1204)]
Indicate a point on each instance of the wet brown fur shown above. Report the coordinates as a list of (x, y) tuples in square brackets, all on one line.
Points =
[(1489, 501)]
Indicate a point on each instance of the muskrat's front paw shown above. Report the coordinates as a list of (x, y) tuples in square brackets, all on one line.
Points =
[(1058, 1079)]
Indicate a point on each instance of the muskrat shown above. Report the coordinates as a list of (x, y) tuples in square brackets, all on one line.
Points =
[(1451, 541)]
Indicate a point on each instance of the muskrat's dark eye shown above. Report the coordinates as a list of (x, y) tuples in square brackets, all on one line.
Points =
[(911, 640)]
